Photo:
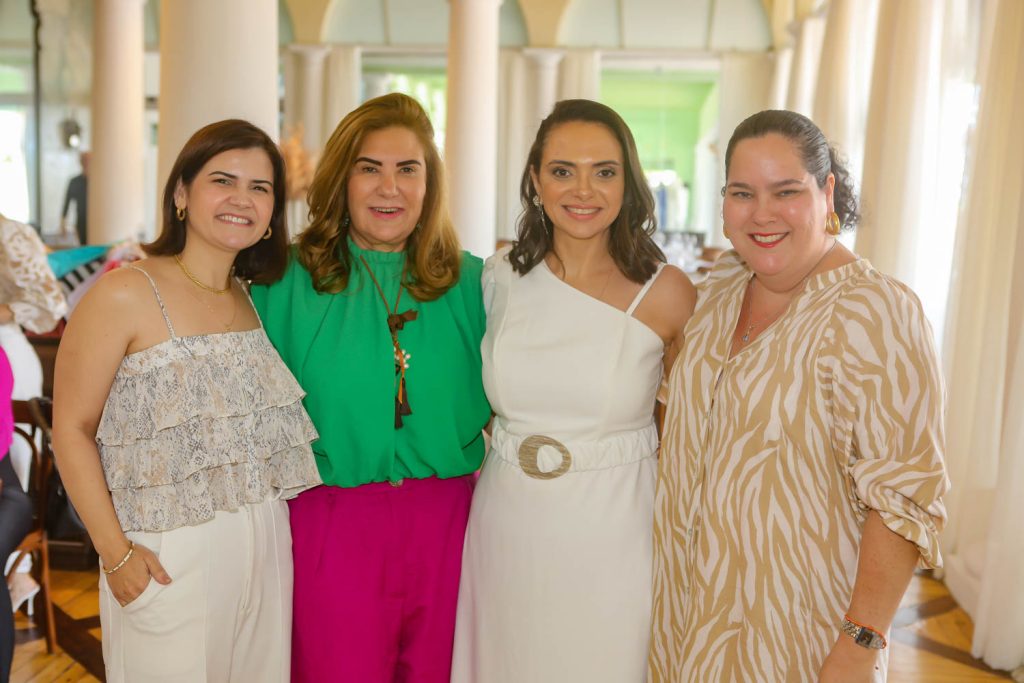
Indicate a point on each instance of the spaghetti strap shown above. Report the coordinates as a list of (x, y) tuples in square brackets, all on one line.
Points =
[(245, 288), (159, 299), (643, 290)]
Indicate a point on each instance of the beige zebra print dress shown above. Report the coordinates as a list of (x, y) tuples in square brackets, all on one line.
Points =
[(770, 462)]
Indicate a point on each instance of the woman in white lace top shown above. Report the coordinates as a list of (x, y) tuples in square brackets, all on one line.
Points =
[(30, 298), (180, 432)]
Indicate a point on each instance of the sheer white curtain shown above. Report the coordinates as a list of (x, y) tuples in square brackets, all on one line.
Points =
[(844, 77), (810, 32), (984, 541), (900, 151), (920, 110)]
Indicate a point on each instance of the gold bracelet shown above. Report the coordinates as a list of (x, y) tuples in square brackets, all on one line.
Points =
[(124, 560)]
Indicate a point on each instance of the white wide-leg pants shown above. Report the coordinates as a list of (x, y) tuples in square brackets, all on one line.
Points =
[(226, 615)]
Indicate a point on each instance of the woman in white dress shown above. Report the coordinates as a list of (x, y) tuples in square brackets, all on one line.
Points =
[(582, 313)]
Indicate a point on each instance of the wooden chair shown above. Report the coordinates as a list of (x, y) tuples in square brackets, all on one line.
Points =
[(37, 413)]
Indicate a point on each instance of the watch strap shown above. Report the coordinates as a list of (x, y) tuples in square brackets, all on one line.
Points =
[(865, 636)]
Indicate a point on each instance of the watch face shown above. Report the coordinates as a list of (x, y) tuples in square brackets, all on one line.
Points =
[(866, 638)]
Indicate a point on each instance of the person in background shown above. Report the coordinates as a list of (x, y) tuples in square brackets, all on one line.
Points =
[(179, 432), (30, 298), (78, 192), (583, 315), (380, 317), (15, 513), (801, 474)]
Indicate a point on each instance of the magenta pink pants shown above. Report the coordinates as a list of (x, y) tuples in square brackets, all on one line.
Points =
[(376, 580)]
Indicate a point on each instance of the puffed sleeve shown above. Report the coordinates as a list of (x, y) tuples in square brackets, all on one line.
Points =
[(34, 296), (487, 282), (498, 261), (890, 393)]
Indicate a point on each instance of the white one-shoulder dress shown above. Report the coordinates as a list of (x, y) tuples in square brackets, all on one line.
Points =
[(556, 575)]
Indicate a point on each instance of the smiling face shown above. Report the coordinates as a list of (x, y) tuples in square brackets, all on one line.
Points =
[(386, 188), (230, 201), (581, 180), (774, 212)]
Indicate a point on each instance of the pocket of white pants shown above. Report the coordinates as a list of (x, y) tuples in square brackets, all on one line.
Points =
[(154, 541)]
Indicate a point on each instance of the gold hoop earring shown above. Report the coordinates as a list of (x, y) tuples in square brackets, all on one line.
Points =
[(270, 231), (832, 224), (180, 213)]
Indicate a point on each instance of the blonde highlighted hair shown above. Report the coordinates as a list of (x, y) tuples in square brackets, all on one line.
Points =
[(433, 254)]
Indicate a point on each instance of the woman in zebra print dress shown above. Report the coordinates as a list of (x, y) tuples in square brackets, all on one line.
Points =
[(801, 472)]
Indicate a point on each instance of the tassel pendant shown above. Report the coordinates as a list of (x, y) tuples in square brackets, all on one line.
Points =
[(402, 407)]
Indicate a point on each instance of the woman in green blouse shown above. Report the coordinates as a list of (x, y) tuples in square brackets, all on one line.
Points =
[(380, 317)]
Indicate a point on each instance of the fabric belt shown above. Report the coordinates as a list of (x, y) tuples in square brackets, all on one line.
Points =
[(544, 457)]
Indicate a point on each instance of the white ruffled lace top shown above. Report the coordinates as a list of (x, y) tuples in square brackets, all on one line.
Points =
[(199, 424)]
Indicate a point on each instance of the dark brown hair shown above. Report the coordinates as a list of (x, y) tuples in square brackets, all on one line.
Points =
[(263, 262), (629, 239), (819, 157), (433, 254)]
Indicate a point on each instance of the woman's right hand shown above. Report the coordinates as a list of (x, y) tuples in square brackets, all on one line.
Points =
[(128, 582)]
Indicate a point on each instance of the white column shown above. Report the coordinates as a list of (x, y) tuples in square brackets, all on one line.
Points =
[(581, 75), (377, 84), (344, 85), (471, 147), (804, 76), (844, 76), (117, 168), (782, 67), (513, 141), (309, 71), (743, 90), (218, 60), (543, 65)]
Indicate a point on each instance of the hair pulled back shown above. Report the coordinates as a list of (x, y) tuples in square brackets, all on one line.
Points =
[(819, 157)]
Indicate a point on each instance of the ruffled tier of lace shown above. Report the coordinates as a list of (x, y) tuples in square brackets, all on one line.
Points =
[(201, 424)]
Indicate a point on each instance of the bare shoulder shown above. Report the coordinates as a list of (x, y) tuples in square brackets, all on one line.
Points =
[(673, 294), (123, 289), (668, 305)]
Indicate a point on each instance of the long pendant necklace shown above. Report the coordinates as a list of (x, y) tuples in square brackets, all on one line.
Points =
[(205, 287), (396, 321), (752, 323)]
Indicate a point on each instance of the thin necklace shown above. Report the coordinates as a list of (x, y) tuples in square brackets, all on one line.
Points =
[(749, 302), (396, 322), (196, 281), (234, 310)]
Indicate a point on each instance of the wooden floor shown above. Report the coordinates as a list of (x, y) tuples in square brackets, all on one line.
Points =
[(930, 640)]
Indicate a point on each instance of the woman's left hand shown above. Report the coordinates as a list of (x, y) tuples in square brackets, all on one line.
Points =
[(848, 662)]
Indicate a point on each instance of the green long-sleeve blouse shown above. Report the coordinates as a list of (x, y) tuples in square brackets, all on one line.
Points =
[(340, 350)]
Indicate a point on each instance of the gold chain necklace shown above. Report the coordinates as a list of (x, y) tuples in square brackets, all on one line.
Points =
[(196, 281), (396, 322), (745, 338), (234, 310)]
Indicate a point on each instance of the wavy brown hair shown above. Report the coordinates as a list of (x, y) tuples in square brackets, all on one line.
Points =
[(629, 238), (433, 254), (263, 262)]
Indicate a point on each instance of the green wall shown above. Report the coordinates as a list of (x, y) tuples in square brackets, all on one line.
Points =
[(667, 112)]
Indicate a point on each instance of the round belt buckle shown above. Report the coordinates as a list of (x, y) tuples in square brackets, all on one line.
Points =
[(528, 457)]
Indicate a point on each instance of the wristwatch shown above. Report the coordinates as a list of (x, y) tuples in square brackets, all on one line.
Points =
[(865, 636)]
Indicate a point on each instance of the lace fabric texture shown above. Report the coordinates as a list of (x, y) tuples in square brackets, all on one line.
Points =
[(27, 284), (199, 424)]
